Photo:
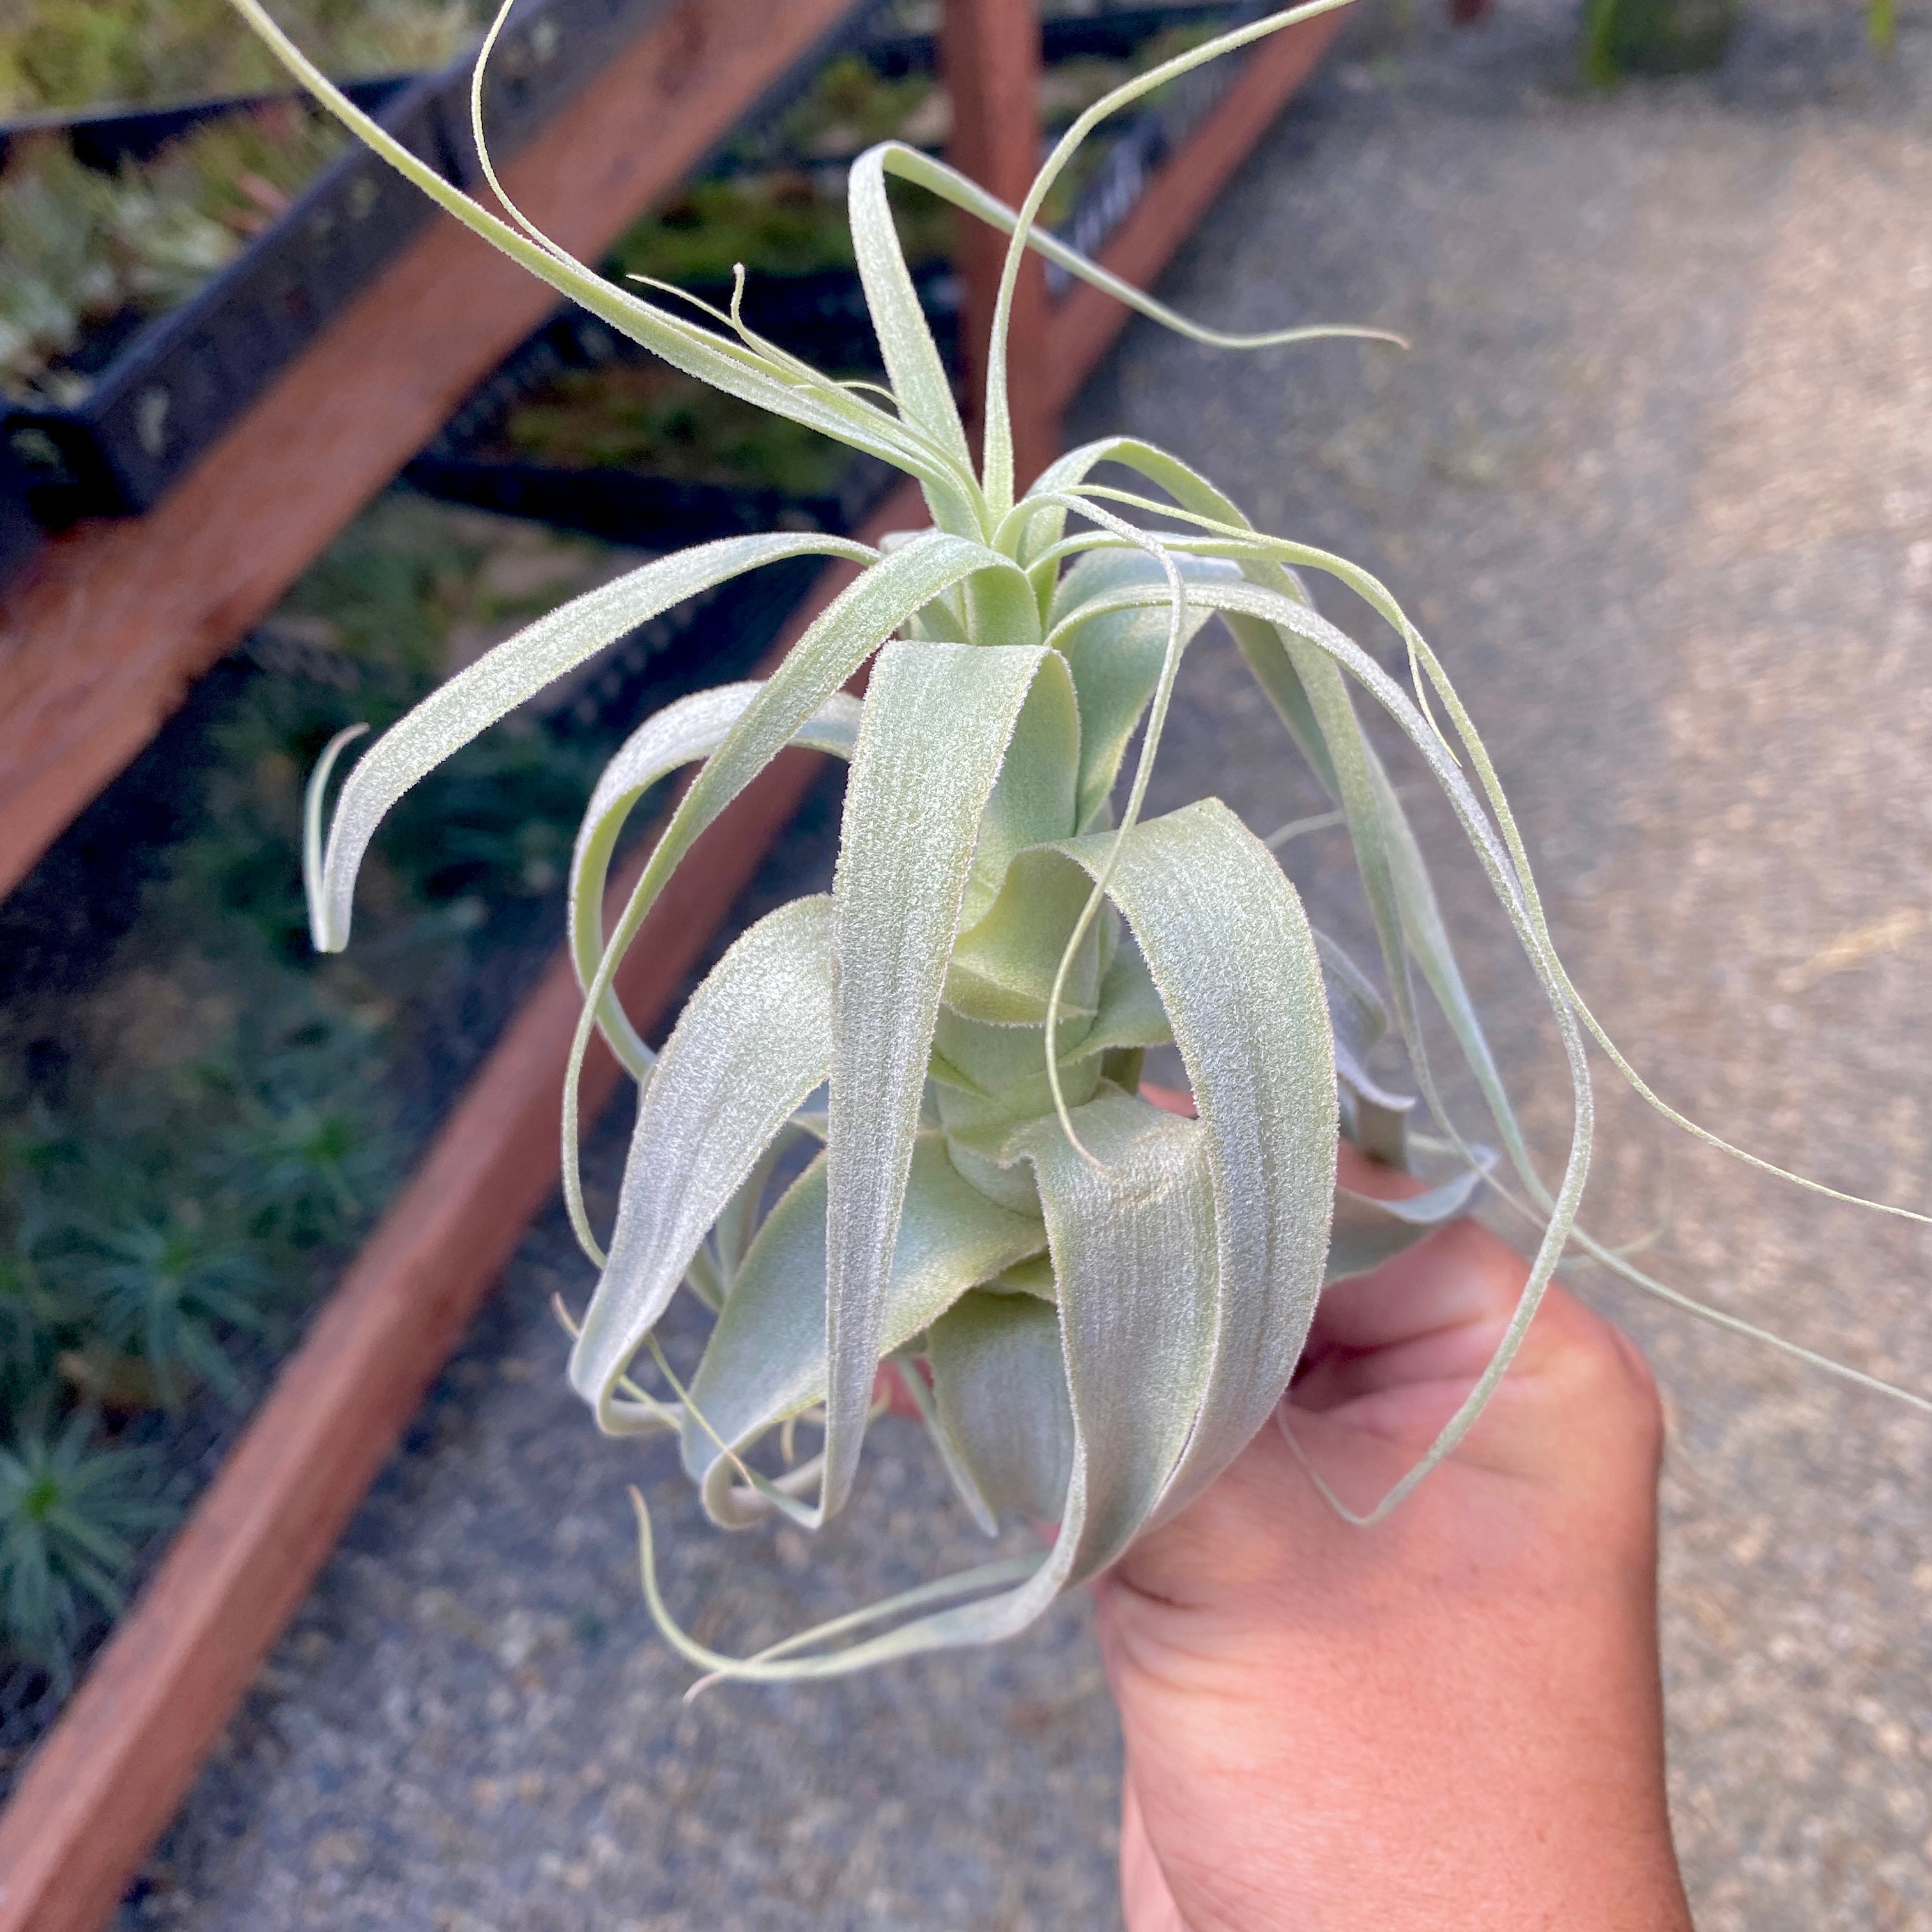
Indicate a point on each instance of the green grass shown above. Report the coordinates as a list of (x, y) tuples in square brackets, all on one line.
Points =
[(221, 1127), (70, 1514), (81, 53), (783, 222)]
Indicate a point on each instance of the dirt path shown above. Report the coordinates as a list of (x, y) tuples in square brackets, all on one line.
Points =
[(1657, 478)]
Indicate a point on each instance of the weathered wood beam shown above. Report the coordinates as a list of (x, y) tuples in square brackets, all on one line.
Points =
[(989, 57)]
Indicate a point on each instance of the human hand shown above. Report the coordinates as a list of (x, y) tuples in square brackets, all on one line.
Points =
[(1451, 1719)]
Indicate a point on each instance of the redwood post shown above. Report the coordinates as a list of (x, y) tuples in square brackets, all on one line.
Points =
[(990, 59)]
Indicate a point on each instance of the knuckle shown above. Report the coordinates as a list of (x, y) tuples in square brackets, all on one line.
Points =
[(1628, 1386)]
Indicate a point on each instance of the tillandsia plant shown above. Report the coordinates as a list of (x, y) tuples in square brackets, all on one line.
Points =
[(1095, 1303)]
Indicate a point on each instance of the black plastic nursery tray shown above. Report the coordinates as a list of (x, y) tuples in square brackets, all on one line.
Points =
[(164, 394), (1108, 32), (821, 317), (104, 137)]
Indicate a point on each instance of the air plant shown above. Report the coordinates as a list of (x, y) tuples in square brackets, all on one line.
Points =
[(1095, 1303)]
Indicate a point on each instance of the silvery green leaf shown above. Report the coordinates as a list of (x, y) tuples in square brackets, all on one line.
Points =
[(913, 1372), (999, 1387), (1133, 1254), (1394, 878), (1381, 1132), (691, 728), (913, 366), (1368, 1231), (1357, 770), (1116, 657), (1033, 1277), (737, 1227), (835, 645), (963, 193), (1003, 965), (1298, 658), (992, 1060), (938, 720), (1355, 1005), (754, 1040), (766, 1358), (1035, 799), (1135, 1233), (1375, 1119), (994, 1077), (509, 675), (1210, 910), (950, 185), (721, 361)]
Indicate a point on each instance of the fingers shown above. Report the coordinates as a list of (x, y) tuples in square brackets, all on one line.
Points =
[(1396, 1364), (1356, 1172), (1461, 1276), (1147, 1900), (1169, 1100), (1453, 1357), (889, 1386)]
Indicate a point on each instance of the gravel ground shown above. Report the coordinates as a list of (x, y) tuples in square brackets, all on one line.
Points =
[(1657, 479)]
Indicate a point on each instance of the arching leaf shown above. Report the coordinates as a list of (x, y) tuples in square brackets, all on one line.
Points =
[(691, 728), (999, 1384), (720, 360), (1212, 910), (766, 1358), (1133, 1254), (509, 675), (1116, 656), (918, 376), (754, 1040), (1369, 1231), (938, 720), (833, 647)]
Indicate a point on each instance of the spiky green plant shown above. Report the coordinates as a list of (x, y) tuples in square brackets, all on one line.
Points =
[(83, 53), (69, 1514), (79, 246), (1109, 1300), (170, 1289)]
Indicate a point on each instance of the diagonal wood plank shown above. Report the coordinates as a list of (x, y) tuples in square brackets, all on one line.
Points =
[(100, 640), (108, 1777)]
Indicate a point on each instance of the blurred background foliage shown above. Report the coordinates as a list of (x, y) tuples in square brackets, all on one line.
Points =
[(197, 1129), (85, 53)]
